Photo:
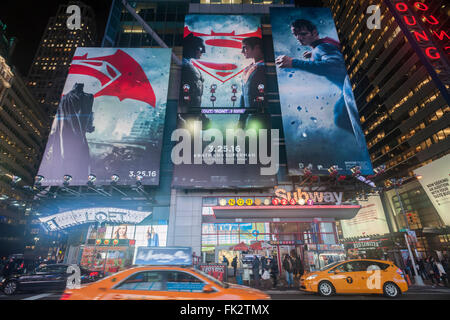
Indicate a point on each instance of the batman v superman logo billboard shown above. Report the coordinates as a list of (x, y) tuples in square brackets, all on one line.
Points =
[(110, 118)]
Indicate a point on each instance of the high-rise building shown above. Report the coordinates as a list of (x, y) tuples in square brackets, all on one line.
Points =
[(404, 112), (52, 60), (22, 140)]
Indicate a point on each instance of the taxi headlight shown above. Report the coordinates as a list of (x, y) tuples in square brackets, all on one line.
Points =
[(311, 277)]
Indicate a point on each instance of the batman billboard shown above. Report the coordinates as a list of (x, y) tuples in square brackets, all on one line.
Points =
[(110, 118), (320, 118)]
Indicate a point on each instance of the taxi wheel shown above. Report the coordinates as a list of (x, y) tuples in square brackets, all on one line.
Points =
[(326, 289), (391, 290)]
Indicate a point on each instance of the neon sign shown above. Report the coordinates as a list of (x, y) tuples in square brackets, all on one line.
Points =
[(425, 33)]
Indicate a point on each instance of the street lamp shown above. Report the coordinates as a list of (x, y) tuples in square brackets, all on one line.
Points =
[(397, 183)]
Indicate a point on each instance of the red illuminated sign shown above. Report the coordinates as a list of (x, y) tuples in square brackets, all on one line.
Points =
[(427, 36)]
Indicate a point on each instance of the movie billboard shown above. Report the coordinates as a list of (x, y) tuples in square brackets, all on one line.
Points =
[(320, 117), (223, 65), (222, 91), (110, 118), (435, 181)]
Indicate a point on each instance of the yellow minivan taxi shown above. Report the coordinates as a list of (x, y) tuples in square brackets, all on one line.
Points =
[(356, 276)]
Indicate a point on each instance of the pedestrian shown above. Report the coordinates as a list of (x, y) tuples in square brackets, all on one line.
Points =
[(255, 268), (298, 267), (274, 271), (225, 260), (234, 265), (441, 272), (421, 270), (429, 270), (288, 267), (264, 265), (436, 273)]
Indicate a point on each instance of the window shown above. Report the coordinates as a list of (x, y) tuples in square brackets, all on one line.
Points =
[(372, 265), (183, 282), (352, 266), (143, 281)]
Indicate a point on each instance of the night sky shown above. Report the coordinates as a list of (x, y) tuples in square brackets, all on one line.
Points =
[(26, 20)]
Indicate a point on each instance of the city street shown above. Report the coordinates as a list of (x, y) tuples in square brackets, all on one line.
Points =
[(414, 293)]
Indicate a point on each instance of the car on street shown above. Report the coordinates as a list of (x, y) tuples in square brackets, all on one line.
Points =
[(359, 276), (46, 277), (162, 283)]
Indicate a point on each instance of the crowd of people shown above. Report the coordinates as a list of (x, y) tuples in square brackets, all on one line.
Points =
[(431, 269), (266, 268)]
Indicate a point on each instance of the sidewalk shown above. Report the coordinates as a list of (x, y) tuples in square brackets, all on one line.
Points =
[(266, 286)]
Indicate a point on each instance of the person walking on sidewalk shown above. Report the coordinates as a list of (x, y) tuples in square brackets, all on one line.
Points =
[(234, 265), (421, 269), (288, 267), (274, 271), (441, 272), (255, 268)]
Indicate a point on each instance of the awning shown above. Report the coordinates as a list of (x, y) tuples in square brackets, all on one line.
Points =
[(270, 212)]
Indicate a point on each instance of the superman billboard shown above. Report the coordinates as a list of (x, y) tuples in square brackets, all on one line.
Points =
[(110, 118), (223, 66), (320, 118)]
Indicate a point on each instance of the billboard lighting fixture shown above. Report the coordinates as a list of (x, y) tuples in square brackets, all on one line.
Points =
[(4, 197), (67, 178), (333, 171), (38, 180), (15, 179), (92, 178), (115, 178)]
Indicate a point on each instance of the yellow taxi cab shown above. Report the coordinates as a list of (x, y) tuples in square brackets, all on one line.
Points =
[(162, 283), (356, 276)]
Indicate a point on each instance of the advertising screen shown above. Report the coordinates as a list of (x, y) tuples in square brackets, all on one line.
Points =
[(320, 117), (435, 181), (110, 118), (223, 156), (223, 65), (370, 220)]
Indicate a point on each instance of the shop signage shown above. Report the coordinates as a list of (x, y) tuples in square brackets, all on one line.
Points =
[(112, 242), (325, 247), (427, 35), (366, 244), (286, 243), (317, 197), (164, 256), (217, 270), (72, 218)]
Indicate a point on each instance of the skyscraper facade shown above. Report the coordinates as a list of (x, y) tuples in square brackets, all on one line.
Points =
[(22, 140), (52, 60)]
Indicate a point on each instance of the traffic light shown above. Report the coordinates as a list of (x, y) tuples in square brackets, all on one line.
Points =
[(410, 218)]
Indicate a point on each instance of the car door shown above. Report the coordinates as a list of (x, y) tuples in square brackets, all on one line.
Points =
[(372, 275), (185, 285), (35, 280), (346, 277), (142, 285)]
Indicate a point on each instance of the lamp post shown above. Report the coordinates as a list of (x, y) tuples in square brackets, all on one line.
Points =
[(417, 278)]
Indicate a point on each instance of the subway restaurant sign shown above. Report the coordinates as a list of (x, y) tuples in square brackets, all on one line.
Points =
[(284, 198), (72, 218)]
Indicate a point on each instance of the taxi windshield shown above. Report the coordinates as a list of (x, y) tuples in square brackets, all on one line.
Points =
[(328, 266), (220, 283)]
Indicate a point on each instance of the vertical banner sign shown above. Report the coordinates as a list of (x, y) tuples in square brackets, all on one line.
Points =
[(320, 117), (222, 99), (110, 119), (436, 183), (427, 35)]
